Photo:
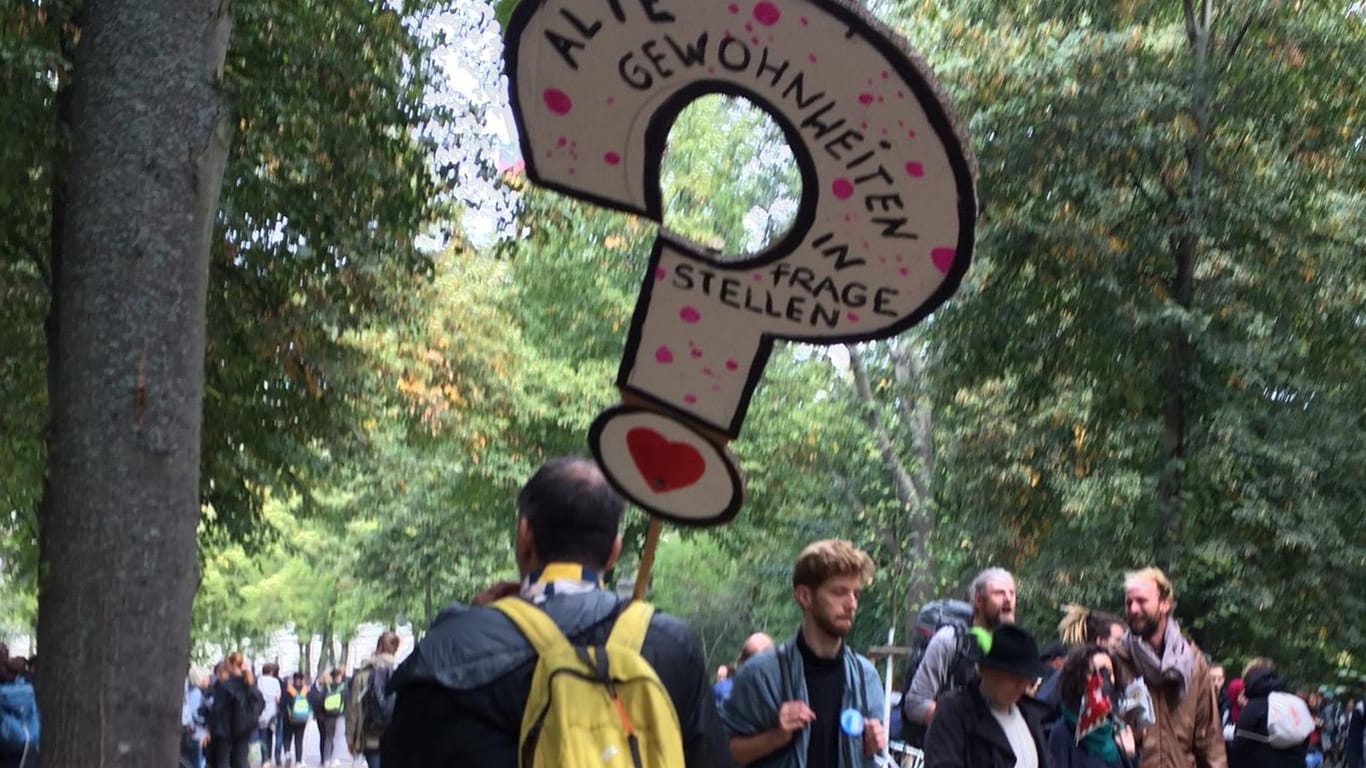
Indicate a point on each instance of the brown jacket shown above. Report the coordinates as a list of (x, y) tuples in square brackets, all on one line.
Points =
[(1187, 733)]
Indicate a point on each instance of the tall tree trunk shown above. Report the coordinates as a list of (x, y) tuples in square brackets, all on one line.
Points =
[(325, 650), (913, 424), (1185, 242), (147, 152)]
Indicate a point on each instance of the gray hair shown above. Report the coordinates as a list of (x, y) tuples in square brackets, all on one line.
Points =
[(979, 584)]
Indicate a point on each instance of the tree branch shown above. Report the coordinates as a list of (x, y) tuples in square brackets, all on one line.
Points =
[(905, 487)]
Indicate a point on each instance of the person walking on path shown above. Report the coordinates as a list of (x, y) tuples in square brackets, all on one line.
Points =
[(371, 704)]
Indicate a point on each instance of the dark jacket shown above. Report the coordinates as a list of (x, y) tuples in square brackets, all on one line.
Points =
[(315, 696), (460, 695), (964, 734), (228, 696), (1356, 732), (1246, 750)]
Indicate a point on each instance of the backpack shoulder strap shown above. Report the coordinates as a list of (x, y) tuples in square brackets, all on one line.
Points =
[(787, 692), (630, 627), (539, 630)]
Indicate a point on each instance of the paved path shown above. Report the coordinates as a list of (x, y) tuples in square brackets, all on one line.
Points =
[(312, 754)]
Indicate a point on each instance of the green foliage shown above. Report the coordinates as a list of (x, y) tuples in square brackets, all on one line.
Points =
[(1117, 152), (332, 175), (1155, 357)]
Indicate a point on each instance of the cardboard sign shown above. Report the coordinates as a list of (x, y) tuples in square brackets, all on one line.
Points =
[(882, 236)]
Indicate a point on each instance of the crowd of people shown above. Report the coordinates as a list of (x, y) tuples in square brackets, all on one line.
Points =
[(238, 719), (487, 685)]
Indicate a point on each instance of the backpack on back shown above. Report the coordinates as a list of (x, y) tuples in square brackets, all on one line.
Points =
[(334, 701), (1288, 722), (300, 709), (364, 710), (246, 710), (962, 668), (601, 706)]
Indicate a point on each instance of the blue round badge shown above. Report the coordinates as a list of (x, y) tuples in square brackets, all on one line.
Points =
[(851, 721)]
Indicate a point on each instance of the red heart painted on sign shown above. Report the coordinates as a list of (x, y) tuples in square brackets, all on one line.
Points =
[(666, 466)]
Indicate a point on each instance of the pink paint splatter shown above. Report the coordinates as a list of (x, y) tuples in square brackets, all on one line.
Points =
[(812, 58), (690, 399), (803, 20), (731, 365), (696, 353), (865, 98), (853, 317), (689, 314), (558, 101), (733, 8), (943, 258), (915, 169), (904, 271), (664, 355), (758, 277), (561, 141), (842, 188), (660, 273), (611, 158), (708, 372), (611, 100), (766, 13)]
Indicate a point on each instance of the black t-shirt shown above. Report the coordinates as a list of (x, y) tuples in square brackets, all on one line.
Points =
[(825, 694)]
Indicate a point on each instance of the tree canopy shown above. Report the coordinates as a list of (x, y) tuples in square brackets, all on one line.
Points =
[(1154, 359)]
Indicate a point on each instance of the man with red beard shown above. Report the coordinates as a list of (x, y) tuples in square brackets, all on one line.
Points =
[(812, 702), (1186, 733)]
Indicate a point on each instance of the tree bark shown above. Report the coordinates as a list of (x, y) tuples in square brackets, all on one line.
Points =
[(1185, 243), (147, 149), (914, 424)]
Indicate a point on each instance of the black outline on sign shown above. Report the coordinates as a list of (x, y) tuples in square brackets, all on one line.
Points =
[(737, 483), (930, 99)]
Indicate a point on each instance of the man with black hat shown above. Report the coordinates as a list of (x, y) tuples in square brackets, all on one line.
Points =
[(993, 724)]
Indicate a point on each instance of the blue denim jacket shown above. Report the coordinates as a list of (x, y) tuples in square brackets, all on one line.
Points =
[(757, 694)]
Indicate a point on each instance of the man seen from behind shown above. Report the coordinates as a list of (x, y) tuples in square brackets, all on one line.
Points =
[(462, 693)]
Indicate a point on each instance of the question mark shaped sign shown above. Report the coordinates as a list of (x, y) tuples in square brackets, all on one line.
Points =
[(883, 232)]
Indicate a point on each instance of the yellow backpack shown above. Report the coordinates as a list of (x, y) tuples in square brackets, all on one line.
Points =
[(600, 706)]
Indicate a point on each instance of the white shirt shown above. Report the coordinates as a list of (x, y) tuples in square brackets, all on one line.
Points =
[(270, 691), (1017, 733)]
